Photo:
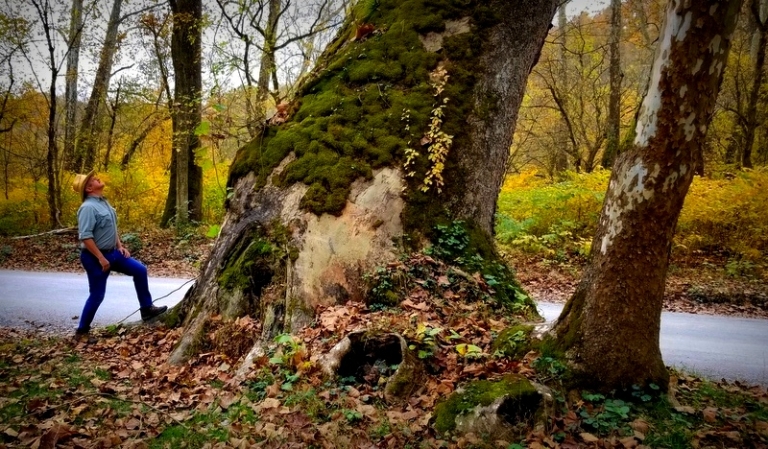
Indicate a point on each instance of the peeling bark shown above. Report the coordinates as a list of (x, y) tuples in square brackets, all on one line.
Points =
[(610, 327)]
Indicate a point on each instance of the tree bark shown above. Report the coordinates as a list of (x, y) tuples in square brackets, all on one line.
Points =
[(267, 64), (609, 329), (90, 127), (114, 107), (614, 101), (564, 133), (185, 198), (323, 195), (52, 156), (70, 89), (758, 74)]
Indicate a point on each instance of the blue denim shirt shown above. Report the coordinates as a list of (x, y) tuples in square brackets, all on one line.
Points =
[(97, 220)]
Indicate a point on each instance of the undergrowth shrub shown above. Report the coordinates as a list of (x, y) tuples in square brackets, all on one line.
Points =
[(553, 219), (138, 194), (727, 214), (722, 213)]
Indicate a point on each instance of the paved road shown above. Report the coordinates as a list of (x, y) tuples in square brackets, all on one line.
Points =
[(714, 347), (52, 301)]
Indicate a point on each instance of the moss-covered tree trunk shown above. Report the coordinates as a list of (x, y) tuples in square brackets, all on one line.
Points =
[(610, 327), (405, 124)]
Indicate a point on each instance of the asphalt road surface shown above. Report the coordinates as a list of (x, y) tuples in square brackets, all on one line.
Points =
[(714, 347), (54, 301)]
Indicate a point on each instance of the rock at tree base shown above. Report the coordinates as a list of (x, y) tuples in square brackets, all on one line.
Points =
[(504, 409)]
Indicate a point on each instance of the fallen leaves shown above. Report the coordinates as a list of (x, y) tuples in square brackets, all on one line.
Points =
[(120, 392)]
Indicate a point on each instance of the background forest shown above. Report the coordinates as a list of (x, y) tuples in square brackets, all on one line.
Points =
[(110, 105)]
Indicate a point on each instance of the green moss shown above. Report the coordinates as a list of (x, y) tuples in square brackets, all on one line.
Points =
[(349, 115), (172, 318), (481, 393), (256, 260), (236, 274), (514, 341)]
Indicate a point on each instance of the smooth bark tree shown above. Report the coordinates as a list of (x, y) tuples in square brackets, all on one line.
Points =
[(91, 125), (609, 329), (405, 123), (268, 63), (185, 193), (613, 126)]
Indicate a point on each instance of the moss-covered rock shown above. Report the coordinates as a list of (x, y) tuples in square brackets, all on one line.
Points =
[(491, 408), (514, 341)]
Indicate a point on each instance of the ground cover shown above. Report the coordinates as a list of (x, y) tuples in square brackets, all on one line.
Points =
[(116, 389)]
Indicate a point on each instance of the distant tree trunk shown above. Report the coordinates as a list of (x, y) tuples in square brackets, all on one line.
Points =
[(185, 198), (321, 197), (90, 127), (70, 89), (758, 74), (52, 156), (614, 102), (609, 328), (267, 66), (139, 139), (112, 122), (564, 128)]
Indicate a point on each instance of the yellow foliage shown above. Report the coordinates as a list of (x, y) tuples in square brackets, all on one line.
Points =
[(727, 214)]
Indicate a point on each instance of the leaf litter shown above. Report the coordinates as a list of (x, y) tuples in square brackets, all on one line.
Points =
[(119, 391)]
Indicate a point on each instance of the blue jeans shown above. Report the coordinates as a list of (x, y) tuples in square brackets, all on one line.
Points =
[(97, 281)]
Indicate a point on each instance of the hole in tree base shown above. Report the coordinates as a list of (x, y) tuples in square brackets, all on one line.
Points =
[(371, 359)]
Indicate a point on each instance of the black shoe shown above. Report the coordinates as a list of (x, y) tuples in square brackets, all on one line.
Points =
[(83, 336), (147, 313)]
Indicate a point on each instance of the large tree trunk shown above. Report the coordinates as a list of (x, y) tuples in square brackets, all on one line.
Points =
[(614, 101), (610, 327), (322, 196), (90, 128), (185, 195)]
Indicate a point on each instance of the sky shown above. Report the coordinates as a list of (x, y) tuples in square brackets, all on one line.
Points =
[(88, 64), (575, 7)]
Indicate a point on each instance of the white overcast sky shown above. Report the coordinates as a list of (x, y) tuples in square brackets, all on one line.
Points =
[(573, 8), (577, 6)]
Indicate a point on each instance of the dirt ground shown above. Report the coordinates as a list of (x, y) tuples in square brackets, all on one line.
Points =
[(164, 253), (695, 284)]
